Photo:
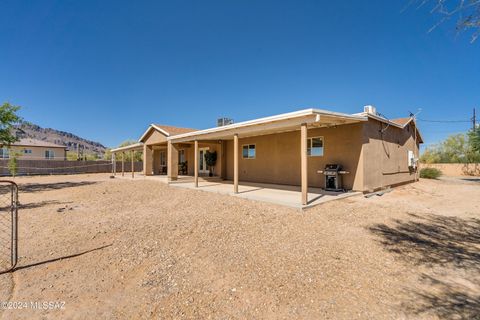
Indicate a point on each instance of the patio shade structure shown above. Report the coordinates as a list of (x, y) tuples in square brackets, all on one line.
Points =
[(300, 120), (130, 148)]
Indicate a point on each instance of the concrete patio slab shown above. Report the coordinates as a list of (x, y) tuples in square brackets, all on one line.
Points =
[(279, 194), (289, 196)]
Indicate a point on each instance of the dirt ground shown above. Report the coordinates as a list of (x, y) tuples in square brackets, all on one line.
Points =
[(113, 249)]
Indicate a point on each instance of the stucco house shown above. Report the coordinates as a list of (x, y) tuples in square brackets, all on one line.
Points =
[(33, 149), (290, 149)]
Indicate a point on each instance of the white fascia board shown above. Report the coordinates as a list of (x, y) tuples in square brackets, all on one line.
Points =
[(283, 116), (382, 119), (392, 123), (152, 126), (137, 145), (145, 133), (161, 130)]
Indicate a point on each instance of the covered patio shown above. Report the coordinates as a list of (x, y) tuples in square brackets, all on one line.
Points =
[(120, 153), (228, 137), (265, 159)]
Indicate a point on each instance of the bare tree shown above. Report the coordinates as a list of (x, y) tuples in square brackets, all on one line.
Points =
[(466, 14)]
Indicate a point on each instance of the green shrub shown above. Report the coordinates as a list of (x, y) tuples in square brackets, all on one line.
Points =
[(13, 166), (430, 173)]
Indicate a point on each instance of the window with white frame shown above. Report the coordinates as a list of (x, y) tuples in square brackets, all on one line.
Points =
[(27, 151), (4, 153), (181, 156), (315, 147), (163, 158), (49, 154), (248, 151)]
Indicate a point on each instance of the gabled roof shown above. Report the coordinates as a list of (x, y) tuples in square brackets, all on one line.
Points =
[(172, 131), (28, 142), (399, 122), (167, 131), (402, 121)]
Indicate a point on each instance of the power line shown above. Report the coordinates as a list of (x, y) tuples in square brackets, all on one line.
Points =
[(446, 121)]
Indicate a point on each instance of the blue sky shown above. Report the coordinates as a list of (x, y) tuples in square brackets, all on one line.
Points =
[(106, 69)]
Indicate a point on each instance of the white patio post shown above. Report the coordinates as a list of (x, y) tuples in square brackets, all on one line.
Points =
[(147, 160), (196, 164), (235, 163), (123, 163), (304, 162), (172, 162), (132, 153), (114, 164)]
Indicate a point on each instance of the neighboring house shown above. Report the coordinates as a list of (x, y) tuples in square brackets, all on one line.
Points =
[(291, 149), (32, 149)]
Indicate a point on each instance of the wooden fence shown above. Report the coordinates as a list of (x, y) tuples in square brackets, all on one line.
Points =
[(37, 167)]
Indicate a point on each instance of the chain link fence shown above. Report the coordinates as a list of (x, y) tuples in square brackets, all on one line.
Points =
[(8, 225)]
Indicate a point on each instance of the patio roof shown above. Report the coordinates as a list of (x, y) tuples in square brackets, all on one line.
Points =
[(132, 147), (279, 123)]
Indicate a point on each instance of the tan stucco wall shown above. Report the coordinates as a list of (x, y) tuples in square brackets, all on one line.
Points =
[(212, 146), (386, 155), (278, 157), (455, 169), (154, 137), (147, 160), (151, 156), (38, 153), (373, 159)]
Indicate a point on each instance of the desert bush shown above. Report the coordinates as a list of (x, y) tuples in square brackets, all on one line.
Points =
[(430, 173)]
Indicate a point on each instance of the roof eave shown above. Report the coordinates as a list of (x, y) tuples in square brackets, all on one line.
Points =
[(135, 146), (259, 121), (150, 128), (395, 124)]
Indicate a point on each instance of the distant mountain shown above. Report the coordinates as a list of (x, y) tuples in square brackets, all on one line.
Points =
[(72, 141)]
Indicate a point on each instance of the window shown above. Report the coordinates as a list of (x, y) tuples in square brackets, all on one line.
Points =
[(163, 158), (181, 156), (4, 153), (49, 154), (315, 147), (27, 151), (248, 151)]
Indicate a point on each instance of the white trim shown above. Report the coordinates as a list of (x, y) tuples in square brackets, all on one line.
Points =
[(134, 146), (184, 155), (150, 127), (6, 150), (164, 162), (161, 130), (204, 162), (248, 149), (50, 152), (394, 124), (382, 119), (323, 146), (283, 116)]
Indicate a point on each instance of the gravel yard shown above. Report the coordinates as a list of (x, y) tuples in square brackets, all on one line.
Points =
[(112, 248)]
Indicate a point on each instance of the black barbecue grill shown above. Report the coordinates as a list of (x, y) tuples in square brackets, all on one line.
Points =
[(333, 177)]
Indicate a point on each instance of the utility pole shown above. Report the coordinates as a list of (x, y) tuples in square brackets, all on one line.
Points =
[(474, 120)]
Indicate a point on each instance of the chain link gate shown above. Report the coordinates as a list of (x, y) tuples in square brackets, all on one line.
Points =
[(8, 225)]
